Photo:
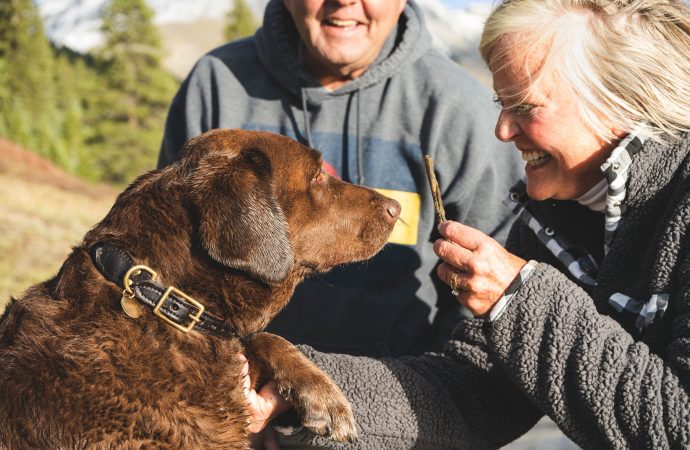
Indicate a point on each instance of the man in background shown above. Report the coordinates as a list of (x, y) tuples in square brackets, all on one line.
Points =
[(359, 81)]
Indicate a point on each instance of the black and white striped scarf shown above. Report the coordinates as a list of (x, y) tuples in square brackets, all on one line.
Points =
[(581, 265)]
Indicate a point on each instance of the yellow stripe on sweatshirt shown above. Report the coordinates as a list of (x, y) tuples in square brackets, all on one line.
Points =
[(407, 227)]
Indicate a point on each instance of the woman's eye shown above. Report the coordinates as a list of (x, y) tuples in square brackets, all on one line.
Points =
[(523, 110), (519, 109)]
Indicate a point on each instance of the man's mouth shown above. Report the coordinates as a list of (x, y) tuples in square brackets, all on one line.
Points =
[(534, 158), (341, 23)]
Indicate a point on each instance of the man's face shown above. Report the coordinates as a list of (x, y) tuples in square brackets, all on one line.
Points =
[(343, 37)]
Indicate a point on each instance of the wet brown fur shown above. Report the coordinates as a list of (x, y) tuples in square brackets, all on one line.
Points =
[(236, 223)]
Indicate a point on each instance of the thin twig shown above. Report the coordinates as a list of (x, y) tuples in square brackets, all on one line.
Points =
[(435, 190)]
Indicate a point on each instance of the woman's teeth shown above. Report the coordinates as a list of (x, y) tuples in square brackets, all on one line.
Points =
[(534, 158)]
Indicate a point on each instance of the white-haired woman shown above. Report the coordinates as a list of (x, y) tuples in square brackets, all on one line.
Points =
[(585, 316)]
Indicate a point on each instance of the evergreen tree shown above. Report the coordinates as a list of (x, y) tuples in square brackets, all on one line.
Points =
[(4, 96), (27, 95), (139, 90), (70, 150), (99, 117), (240, 21), (81, 87)]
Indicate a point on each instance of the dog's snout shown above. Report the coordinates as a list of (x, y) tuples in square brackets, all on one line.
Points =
[(392, 209)]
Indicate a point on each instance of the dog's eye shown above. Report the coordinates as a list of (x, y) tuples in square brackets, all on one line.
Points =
[(320, 177)]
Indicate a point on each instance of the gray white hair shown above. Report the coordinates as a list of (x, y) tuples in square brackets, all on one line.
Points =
[(627, 60)]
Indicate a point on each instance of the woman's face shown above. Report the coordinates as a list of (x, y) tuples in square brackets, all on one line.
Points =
[(562, 154), (343, 36)]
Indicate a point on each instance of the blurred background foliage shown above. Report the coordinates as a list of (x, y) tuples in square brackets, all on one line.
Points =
[(75, 129), (240, 21), (99, 116)]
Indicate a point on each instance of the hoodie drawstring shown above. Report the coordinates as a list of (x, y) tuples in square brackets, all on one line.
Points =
[(360, 150), (305, 116)]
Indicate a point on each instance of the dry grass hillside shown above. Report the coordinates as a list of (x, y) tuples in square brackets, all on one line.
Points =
[(43, 213)]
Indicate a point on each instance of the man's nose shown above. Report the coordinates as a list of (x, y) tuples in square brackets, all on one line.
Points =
[(341, 3)]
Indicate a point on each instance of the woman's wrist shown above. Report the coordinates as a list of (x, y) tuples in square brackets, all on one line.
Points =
[(502, 304)]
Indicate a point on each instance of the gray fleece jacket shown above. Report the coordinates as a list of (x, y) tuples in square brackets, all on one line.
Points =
[(374, 130), (560, 348)]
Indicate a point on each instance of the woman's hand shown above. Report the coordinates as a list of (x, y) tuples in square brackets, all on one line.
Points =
[(264, 406), (477, 266)]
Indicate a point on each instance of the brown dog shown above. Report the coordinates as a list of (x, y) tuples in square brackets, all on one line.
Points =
[(224, 235)]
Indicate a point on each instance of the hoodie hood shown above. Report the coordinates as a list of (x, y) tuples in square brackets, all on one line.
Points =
[(277, 44)]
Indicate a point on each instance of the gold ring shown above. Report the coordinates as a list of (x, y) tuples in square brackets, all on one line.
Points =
[(454, 289)]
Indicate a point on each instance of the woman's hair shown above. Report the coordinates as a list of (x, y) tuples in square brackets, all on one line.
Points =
[(627, 60)]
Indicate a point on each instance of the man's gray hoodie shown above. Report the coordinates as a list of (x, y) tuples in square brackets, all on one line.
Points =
[(374, 131)]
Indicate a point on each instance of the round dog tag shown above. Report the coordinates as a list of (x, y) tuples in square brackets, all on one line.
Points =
[(131, 306)]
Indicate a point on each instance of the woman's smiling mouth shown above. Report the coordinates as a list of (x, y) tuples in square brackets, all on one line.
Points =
[(534, 158)]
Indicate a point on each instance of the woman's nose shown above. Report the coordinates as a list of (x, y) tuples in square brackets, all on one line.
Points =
[(506, 127)]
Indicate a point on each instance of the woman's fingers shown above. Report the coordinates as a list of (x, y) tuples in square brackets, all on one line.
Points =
[(453, 277), (264, 405), (467, 237), (477, 269), (462, 244), (453, 253)]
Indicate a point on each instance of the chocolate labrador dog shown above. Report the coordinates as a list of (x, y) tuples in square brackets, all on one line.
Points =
[(135, 342)]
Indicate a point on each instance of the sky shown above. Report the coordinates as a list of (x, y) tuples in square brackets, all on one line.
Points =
[(457, 4)]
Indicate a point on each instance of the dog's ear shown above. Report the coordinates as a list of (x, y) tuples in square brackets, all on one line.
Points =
[(241, 224)]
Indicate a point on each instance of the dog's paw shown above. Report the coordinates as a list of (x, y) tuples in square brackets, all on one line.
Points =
[(324, 408)]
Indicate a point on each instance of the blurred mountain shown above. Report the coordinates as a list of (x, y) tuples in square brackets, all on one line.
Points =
[(192, 27)]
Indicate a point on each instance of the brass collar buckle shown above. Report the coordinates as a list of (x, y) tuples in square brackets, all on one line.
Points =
[(193, 318), (139, 289), (128, 295)]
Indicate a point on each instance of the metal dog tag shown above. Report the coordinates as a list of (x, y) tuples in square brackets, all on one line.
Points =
[(131, 306)]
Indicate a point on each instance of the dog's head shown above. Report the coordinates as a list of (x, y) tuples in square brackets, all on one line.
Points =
[(265, 206)]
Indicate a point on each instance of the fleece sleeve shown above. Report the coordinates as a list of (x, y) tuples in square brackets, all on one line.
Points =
[(434, 401), (602, 388)]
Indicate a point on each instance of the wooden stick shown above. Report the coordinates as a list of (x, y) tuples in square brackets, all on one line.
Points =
[(435, 190)]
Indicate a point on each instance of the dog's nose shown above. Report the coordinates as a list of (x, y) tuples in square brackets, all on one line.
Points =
[(392, 208)]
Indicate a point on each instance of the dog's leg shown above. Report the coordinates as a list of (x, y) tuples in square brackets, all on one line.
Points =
[(323, 407)]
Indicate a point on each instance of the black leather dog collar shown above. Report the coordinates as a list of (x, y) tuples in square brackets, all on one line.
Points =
[(170, 304)]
